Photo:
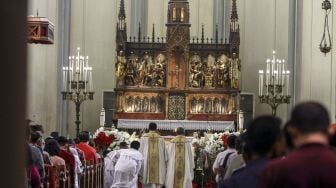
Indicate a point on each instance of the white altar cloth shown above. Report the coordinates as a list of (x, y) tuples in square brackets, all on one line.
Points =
[(173, 124)]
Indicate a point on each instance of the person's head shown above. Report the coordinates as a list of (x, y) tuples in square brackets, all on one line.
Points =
[(288, 139), (35, 137), (84, 136), (240, 141), (262, 134), (307, 119), (54, 134), (52, 147), (152, 126), (62, 141), (135, 145), (231, 141), (123, 145), (180, 131)]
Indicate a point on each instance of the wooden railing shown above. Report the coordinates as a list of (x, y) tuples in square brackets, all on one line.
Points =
[(60, 177)]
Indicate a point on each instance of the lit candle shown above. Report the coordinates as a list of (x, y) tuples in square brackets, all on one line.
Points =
[(280, 73), (267, 78), (261, 80), (283, 70), (287, 78), (283, 81), (64, 79), (90, 79), (275, 77), (267, 70)]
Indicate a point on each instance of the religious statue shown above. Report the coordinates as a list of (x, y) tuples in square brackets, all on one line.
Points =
[(221, 74), (234, 71), (130, 73), (120, 69)]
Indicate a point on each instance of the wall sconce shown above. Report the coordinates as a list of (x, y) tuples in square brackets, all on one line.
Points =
[(325, 47)]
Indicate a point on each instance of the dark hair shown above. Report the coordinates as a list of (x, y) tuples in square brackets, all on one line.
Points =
[(180, 131), (288, 138), (54, 134), (231, 141), (84, 136), (152, 126), (262, 134), (123, 145), (309, 117), (135, 145), (62, 140), (34, 137), (240, 142), (52, 147)]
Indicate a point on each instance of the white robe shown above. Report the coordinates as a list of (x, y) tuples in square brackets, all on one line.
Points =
[(109, 162), (127, 169), (163, 156), (79, 167), (189, 166)]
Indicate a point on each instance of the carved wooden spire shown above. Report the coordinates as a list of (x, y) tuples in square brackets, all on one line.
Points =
[(122, 14), (202, 37), (234, 13), (153, 34), (139, 33), (216, 39)]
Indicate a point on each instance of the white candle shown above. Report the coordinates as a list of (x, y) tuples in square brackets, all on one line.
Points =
[(275, 77), (267, 70), (64, 79), (283, 81), (261, 82), (287, 78), (267, 78), (90, 78), (283, 70), (278, 72)]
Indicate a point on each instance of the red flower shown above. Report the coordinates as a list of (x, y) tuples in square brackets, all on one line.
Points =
[(103, 140), (224, 139)]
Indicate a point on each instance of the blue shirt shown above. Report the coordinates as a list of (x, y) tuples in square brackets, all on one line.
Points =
[(246, 176)]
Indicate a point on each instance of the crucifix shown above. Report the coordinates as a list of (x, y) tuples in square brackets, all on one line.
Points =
[(176, 73)]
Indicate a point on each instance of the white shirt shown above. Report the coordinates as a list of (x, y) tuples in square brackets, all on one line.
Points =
[(220, 160), (127, 168)]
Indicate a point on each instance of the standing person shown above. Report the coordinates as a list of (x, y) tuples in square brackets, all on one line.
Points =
[(89, 152), (180, 169), (262, 136), (312, 163), (223, 158), (128, 166), (155, 157)]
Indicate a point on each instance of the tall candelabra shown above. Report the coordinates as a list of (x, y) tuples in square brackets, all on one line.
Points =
[(77, 83), (276, 83)]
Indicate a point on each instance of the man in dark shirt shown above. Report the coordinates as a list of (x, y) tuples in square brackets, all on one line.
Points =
[(261, 138), (312, 164)]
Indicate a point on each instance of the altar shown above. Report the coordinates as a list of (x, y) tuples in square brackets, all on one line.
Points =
[(173, 124)]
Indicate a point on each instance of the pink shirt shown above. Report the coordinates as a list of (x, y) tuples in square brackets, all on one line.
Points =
[(57, 161)]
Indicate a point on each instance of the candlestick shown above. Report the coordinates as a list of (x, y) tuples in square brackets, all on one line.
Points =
[(277, 78), (77, 72)]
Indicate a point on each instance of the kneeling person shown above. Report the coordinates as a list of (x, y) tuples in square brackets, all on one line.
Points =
[(128, 166)]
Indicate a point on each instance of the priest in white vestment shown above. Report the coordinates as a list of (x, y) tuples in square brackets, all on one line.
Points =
[(181, 162), (127, 168), (155, 158), (109, 163)]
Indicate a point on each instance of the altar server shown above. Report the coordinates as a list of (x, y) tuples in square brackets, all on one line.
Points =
[(181, 162), (155, 158), (127, 168)]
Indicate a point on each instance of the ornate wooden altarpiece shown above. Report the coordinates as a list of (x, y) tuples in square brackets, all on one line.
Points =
[(180, 77)]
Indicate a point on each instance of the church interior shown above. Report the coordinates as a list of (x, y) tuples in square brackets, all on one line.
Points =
[(143, 59), (210, 65)]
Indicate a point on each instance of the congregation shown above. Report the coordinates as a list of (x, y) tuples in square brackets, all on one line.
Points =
[(298, 154)]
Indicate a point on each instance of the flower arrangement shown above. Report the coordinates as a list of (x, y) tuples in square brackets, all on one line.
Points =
[(111, 139)]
